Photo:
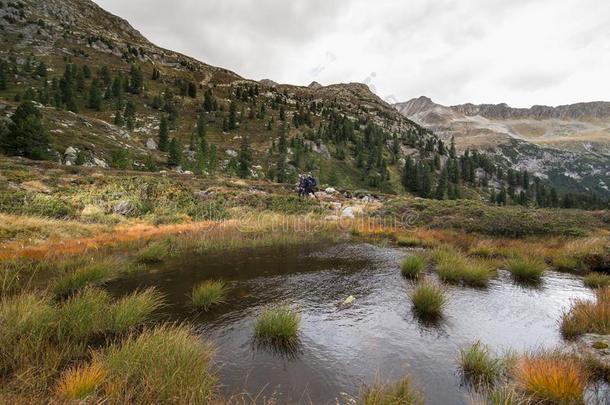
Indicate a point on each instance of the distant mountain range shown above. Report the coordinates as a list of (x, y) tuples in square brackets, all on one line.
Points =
[(569, 144)]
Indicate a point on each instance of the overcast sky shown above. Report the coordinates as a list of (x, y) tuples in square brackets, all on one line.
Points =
[(522, 52)]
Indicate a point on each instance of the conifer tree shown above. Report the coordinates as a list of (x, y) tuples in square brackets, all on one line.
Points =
[(26, 135), (232, 121), (452, 152), (95, 96), (244, 158), (441, 187), (118, 119), (174, 157), (209, 102), (130, 115), (136, 79), (163, 135)]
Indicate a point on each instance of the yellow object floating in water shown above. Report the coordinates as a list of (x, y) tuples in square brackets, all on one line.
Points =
[(349, 300)]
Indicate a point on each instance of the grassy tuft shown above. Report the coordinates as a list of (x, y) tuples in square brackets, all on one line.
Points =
[(135, 309), (428, 300), (27, 323), (526, 268), (168, 364), (479, 365), (86, 314), (551, 378), (412, 266), (399, 393), (453, 267), (155, 252), (587, 316), (597, 280), (278, 326), (208, 294), (92, 274), (81, 382)]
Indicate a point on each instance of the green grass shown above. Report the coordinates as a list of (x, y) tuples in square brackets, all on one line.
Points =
[(399, 393), (428, 300), (413, 266), (453, 267), (478, 365), (154, 253), (168, 364), (89, 275), (597, 280), (209, 293), (279, 326), (27, 322), (135, 309), (526, 268), (85, 314)]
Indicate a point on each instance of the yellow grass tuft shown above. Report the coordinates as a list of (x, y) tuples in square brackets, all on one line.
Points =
[(551, 378), (80, 382)]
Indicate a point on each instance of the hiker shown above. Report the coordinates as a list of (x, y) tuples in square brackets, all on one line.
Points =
[(307, 185)]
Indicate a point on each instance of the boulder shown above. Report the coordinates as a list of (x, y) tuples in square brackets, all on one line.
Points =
[(151, 144), (348, 213), (124, 208), (330, 190), (232, 153), (594, 347)]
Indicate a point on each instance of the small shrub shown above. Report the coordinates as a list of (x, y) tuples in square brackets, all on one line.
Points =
[(599, 345), (551, 378), (168, 364), (208, 294), (428, 300), (597, 280), (278, 326), (587, 316), (399, 393), (479, 365), (135, 309), (526, 269), (80, 382), (89, 275), (412, 266)]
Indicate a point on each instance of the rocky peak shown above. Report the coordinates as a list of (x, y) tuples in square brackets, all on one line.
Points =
[(315, 85)]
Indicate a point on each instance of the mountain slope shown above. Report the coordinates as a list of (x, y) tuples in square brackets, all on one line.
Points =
[(569, 145)]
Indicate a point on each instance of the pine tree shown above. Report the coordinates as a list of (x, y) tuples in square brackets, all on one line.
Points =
[(232, 122), (130, 115), (136, 81), (3, 77), (441, 187), (175, 153), (95, 96), (41, 70), (26, 135), (452, 152), (425, 181), (156, 74), (244, 158), (282, 114), (209, 102), (493, 197), (201, 129), (163, 135), (118, 119)]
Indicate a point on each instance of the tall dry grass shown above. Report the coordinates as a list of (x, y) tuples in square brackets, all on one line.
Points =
[(586, 316)]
